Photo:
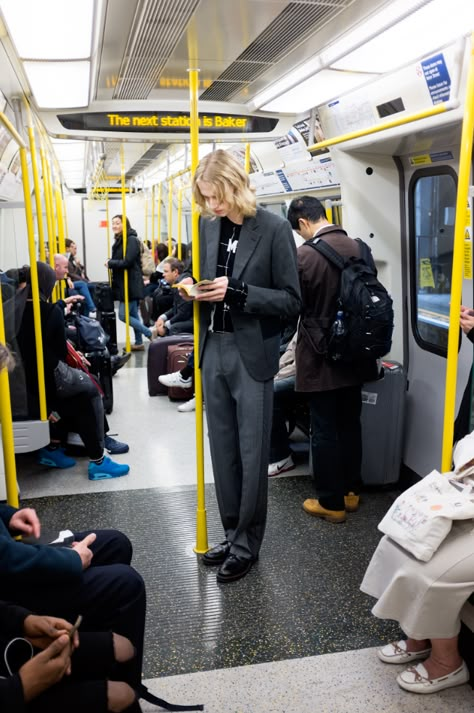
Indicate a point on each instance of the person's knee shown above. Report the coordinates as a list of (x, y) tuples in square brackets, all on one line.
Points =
[(123, 648), (119, 696)]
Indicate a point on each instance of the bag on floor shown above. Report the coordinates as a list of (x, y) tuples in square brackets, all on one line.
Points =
[(91, 334), (422, 516)]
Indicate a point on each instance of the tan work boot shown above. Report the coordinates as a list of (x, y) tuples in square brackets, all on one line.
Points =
[(313, 507), (351, 502)]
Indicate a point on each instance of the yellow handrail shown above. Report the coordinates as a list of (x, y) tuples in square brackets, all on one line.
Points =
[(457, 274), (170, 214), (6, 421), (438, 109), (201, 517), (124, 244)]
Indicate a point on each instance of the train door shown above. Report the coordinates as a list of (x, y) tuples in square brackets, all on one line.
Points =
[(431, 185)]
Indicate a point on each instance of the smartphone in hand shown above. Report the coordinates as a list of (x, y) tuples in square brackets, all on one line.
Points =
[(75, 627)]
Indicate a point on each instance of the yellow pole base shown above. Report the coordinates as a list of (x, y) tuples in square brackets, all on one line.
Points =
[(202, 545)]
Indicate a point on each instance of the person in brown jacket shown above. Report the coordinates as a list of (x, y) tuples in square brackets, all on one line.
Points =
[(334, 389)]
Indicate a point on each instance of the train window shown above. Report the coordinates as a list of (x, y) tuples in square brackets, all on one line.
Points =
[(432, 201)]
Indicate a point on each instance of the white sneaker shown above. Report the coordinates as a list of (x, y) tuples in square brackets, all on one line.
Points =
[(74, 439), (188, 406), (281, 466), (93, 315), (175, 379)]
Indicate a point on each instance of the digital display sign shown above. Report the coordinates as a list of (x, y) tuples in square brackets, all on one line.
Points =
[(166, 122)]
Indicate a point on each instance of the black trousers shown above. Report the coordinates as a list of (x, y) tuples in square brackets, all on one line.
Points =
[(86, 688), (79, 415), (336, 444), (110, 597)]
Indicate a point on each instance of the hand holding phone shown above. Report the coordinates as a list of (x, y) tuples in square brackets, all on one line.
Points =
[(75, 627)]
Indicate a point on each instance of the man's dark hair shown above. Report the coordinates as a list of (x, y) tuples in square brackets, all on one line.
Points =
[(69, 242), (305, 207), (175, 264)]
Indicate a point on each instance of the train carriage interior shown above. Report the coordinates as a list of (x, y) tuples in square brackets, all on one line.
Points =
[(106, 106)]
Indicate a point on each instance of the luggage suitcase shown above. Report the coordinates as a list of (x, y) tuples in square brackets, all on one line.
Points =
[(108, 321), (157, 362), (101, 367), (383, 409), (103, 297), (178, 355)]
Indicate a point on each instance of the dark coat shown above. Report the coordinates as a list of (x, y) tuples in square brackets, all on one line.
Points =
[(181, 310), (319, 281), (132, 262), (266, 261)]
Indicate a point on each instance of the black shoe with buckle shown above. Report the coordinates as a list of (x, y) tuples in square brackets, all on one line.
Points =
[(234, 568), (217, 554)]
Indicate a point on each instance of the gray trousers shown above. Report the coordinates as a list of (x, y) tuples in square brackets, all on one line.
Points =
[(239, 419)]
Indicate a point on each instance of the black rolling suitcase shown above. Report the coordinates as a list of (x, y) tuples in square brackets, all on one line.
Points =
[(103, 297), (101, 367), (383, 410), (157, 363), (108, 320)]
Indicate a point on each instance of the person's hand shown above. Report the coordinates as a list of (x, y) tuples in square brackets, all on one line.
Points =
[(214, 292), (82, 549), (46, 669), (70, 283), (467, 319), (25, 521), (106, 263), (73, 298), (183, 293), (43, 630)]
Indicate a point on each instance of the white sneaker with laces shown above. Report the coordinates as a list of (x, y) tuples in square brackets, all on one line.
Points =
[(188, 406), (175, 379), (281, 466)]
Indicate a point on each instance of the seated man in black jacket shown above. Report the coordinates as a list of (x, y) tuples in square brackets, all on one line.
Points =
[(179, 318)]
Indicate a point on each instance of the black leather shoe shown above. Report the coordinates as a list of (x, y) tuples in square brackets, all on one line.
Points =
[(117, 361), (234, 568), (217, 554)]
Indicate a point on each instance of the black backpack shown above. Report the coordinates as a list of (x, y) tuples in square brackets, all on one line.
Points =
[(366, 306)]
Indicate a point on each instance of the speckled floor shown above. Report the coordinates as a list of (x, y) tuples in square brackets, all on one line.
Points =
[(301, 599), (294, 636)]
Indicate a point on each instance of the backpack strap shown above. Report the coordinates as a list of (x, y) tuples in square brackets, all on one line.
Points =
[(329, 253), (148, 696)]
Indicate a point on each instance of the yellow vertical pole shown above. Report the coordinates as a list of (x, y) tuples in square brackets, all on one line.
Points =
[(247, 158), (36, 182), (6, 420), (170, 214), (47, 201), (201, 516), (107, 218), (180, 232), (146, 218), (153, 239), (328, 210), (457, 274), (158, 218), (124, 238), (59, 215)]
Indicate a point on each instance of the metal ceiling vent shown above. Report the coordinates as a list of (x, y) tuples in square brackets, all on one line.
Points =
[(146, 160), (298, 21), (157, 27)]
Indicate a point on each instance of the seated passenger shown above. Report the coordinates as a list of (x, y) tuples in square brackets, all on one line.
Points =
[(463, 425), (55, 674), (179, 318), (426, 599), (79, 287), (82, 413), (284, 400)]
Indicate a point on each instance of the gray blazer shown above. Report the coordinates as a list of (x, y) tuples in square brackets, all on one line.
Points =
[(266, 261)]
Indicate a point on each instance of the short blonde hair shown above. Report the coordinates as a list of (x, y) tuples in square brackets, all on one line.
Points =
[(224, 172)]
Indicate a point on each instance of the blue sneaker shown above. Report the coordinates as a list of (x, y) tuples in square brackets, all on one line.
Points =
[(55, 459), (106, 470), (115, 447)]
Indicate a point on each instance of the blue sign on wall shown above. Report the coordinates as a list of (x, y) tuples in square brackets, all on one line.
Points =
[(437, 78), (284, 180)]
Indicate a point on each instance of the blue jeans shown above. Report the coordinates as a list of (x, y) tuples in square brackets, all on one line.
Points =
[(82, 288), (135, 321)]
